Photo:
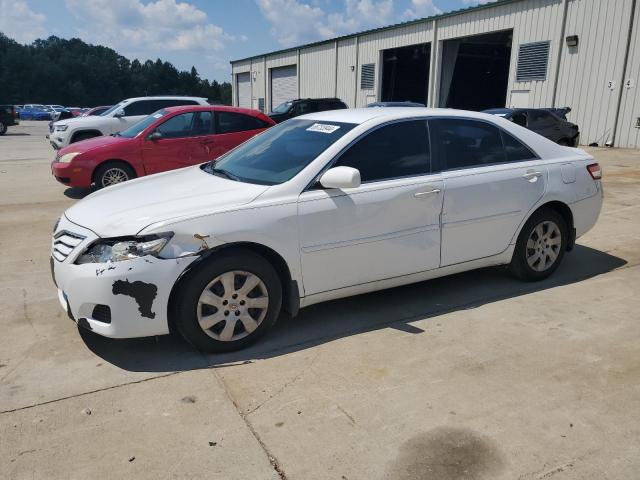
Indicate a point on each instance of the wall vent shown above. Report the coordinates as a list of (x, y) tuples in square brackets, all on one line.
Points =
[(367, 76), (533, 59)]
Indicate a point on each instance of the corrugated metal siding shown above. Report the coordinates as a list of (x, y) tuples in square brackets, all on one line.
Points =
[(371, 45), (531, 21), (257, 81), (585, 70), (346, 90), (318, 71), (602, 27), (628, 135)]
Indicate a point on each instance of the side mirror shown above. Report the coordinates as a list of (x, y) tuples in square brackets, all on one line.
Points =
[(119, 113), (340, 177), (154, 136)]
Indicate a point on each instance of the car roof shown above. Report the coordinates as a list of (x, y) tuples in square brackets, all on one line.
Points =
[(362, 115), (218, 108), (163, 97)]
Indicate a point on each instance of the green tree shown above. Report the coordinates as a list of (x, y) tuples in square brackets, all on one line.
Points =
[(72, 72)]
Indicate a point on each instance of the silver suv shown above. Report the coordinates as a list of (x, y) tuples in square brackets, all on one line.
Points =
[(117, 118)]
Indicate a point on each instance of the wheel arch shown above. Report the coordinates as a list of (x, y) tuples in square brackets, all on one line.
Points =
[(562, 209), (290, 290), (75, 134)]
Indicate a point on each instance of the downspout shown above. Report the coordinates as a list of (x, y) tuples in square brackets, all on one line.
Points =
[(298, 71), (433, 70), (560, 48), (355, 93), (264, 76), (335, 90), (624, 74)]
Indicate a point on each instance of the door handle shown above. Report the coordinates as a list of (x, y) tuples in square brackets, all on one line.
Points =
[(532, 176), (429, 192)]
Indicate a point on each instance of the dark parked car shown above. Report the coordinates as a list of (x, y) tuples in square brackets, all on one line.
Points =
[(302, 106), (8, 117), (396, 104), (560, 112), (542, 121)]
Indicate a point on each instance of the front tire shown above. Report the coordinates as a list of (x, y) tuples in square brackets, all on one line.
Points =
[(112, 173), (229, 302), (540, 247), (3, 128)]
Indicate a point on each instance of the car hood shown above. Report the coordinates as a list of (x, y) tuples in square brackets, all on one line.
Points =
[(81, 121), (95, 143), (128, 208)]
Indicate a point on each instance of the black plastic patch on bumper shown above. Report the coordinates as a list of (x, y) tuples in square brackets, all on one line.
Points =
[(101, 313), (84, 323), (143, 293), (53, 276)]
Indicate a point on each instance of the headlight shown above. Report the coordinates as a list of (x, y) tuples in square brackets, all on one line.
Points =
[(119, 249), (60, 128), (67, 157)]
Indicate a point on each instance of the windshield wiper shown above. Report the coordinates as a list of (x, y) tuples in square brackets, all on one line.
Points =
[(221, 172)]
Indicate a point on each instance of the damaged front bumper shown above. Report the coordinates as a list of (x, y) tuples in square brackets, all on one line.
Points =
[(118, 299)]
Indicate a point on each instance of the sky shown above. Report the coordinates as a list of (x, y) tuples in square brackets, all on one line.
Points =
[(206, 34)]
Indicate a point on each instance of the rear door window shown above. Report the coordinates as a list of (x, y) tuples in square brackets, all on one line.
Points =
[(165, 103), (230, 122), (393, 151), (515, 150), (461, 143), (202, 124), (140, 107)]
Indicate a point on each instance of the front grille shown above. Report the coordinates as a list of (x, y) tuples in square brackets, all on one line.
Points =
[(64, 243)]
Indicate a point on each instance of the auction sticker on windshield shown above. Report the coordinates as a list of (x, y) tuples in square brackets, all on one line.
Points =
[(322, 128)]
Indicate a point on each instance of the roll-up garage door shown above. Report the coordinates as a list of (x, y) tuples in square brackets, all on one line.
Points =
[(243, 87), (284, 85)]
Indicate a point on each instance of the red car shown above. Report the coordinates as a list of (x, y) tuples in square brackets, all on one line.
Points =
[(171, 138)]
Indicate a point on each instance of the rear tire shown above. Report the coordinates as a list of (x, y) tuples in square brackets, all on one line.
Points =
[(540, 247), (218, 309), (564, 142), (3, 128), (112, 173)]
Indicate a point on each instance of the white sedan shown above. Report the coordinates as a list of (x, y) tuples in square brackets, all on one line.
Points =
[(320, 207)]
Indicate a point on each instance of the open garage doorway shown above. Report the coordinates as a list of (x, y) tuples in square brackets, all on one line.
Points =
[(405, 73), (475, 71)]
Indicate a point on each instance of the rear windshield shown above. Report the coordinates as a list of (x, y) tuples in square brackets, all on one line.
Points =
[(136, 128), (280, 153)]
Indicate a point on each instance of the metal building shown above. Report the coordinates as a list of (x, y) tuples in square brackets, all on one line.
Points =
[(584, 54)]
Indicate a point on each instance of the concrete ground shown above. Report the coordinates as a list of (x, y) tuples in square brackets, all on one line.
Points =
[(475, 376)]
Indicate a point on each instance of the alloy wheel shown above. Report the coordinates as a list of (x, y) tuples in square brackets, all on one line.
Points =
[(113, 176), (543, 246), (233, 305)]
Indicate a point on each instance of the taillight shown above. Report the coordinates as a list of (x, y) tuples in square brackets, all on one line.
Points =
[(595, 171)]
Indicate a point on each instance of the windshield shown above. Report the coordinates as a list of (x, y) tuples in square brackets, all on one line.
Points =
[(283, 107), (280, 153), (136, 128), (113, 109)]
